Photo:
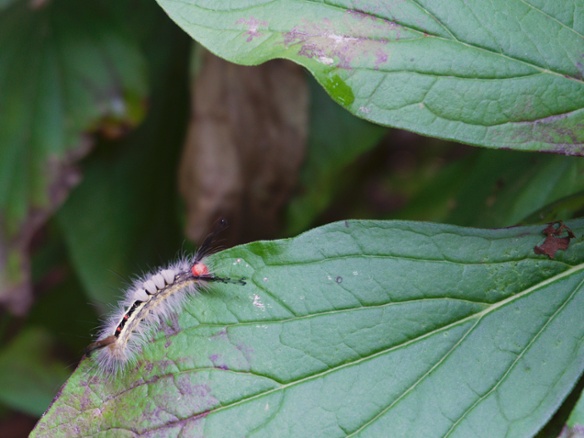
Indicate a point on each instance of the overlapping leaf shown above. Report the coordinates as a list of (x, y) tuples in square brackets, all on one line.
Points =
[(498, 74)]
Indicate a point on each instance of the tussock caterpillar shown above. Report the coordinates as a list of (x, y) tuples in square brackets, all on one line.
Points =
[(148, 302)]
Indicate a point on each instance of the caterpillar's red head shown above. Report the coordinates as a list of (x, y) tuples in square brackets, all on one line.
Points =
[(199, 269)]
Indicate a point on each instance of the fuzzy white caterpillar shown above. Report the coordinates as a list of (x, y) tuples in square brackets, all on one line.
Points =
[(149, 302)]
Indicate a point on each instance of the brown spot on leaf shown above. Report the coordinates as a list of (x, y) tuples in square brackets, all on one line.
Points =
[(558, 236), (253, 26), (354, 39), (560, 133)]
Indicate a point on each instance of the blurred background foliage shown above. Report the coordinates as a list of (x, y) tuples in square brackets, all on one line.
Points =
[(122, 142)]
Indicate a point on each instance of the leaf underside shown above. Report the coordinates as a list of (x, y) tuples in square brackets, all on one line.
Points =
[(451, 69)]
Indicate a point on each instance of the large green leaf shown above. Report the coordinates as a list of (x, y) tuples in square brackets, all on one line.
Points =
[(123, 215), (66, 69), (356, 328), (504, 73)]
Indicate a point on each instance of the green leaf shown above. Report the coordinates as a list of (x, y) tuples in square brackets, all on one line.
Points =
[(66, 58), (502, 188), (123, 215), (576, 420), (505, 73), (65, 69), (29, 376), (357, 328)]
